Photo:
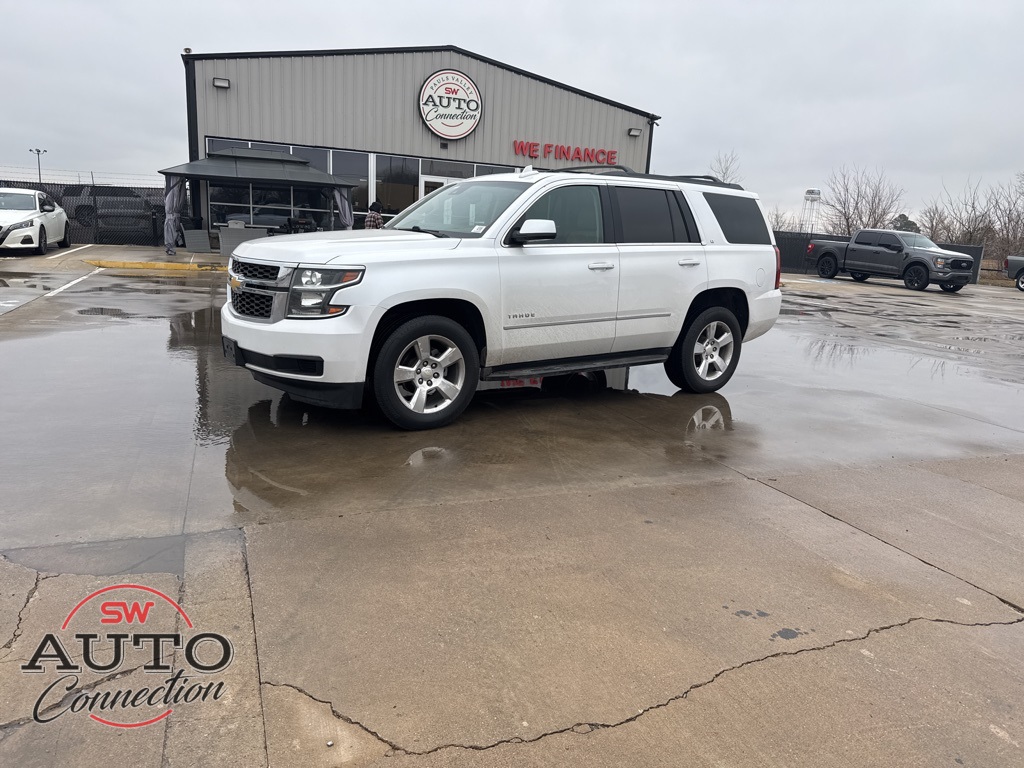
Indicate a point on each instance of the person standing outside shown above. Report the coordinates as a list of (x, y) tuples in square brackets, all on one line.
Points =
[(373, 219)]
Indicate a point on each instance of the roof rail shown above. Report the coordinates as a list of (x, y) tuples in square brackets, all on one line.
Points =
[(712, 181)]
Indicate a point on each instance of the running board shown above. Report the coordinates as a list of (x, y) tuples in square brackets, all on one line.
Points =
[(574, 365)]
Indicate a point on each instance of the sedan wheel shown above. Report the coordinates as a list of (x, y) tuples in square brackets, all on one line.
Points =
[(65, 242), (43, 245), (916, 277), (426, 373)]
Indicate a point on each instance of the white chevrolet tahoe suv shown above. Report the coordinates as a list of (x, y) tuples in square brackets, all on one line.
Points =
[(504, 277)]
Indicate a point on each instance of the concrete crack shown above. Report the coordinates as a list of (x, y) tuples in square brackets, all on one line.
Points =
[(255, 641), (40, 578), (584, 728), (345, 718)]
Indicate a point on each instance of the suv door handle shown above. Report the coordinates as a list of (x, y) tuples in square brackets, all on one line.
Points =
[(688, 262), (600, 266)]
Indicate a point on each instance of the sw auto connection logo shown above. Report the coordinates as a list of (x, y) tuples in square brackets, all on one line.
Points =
[(119, 606)]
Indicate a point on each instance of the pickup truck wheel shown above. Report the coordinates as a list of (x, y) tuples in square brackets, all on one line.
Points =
[(951, 287), (916, 277), (705, 357), (1020, 281), (860, 277), (828, 267), (426, 373)]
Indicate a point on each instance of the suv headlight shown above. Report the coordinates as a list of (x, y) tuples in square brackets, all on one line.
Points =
[(940, 262), (23, 224), (312, 290)]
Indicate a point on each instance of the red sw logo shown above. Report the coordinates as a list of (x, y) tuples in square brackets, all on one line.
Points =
[(450, 91), (118, 611)]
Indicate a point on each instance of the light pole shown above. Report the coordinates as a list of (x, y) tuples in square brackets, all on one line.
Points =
[(39, 165)]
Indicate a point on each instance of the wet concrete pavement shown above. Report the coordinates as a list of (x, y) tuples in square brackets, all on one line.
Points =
[(818, 566)]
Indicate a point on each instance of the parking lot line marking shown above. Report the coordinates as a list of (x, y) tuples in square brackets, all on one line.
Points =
[(73, 282), (65, 253)]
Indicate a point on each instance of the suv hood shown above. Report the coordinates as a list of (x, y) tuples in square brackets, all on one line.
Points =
[(13, 217), (354, 246)]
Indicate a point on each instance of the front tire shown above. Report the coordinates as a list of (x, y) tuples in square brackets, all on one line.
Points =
[(951, 287), (426, 373), (828, 267), (706, 356), (916, 277), (42, 247), (860, 277)]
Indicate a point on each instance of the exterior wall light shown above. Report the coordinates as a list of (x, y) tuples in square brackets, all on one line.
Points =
[(634, 132), (221, 82)]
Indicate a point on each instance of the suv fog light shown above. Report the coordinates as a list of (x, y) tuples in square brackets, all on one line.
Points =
[(310, 299)]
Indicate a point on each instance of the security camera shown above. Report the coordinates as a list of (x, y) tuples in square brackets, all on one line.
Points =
[(188, 50)]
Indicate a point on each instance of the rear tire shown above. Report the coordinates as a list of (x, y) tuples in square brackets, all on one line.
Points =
[(828, 266), (951, 287), (916, 277), (65, 242), (1020, 281), (860, 277), (426, 373), (42, 246), (705, 357)]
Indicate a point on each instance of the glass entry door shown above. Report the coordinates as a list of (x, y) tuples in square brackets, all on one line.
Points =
[(429, 183)]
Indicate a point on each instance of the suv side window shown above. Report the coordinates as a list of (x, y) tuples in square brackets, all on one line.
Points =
[(646, 216), (867, 238), (885, 240), (740, 218), (576, 212)]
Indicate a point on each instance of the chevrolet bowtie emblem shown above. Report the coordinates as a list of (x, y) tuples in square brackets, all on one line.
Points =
[(235, 283)]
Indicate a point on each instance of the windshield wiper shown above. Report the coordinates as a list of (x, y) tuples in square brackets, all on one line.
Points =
[(416, 228)]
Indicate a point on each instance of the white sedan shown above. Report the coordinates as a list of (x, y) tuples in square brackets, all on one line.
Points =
[(30, 220)]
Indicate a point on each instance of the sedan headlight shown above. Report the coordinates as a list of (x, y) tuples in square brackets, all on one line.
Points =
[(312, 290), (23, 224)]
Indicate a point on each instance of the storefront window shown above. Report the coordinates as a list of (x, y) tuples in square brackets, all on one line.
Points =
[(271, 217), (272, 195), (215, 145), (318, 158), (447, 169), (271, 147), (230, 193), (355, 168), (484, 170), (222, 214), (398, 182)]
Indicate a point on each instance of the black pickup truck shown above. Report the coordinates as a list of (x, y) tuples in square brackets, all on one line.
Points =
[(908, 256)]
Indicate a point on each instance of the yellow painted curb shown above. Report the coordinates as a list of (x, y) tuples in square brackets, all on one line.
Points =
[(171, 265)]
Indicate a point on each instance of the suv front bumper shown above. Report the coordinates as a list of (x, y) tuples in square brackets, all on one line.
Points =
[(946, 276), (319, 361)]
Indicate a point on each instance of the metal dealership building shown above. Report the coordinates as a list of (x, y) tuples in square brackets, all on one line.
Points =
[(388, 124)]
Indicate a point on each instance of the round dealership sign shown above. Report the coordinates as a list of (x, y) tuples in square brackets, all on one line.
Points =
[(450, 104)]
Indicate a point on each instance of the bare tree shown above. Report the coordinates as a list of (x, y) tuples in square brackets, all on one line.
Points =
[(993, 217), (726, 167), (781, 221), (968, 217), (858, 199), (933, 222)]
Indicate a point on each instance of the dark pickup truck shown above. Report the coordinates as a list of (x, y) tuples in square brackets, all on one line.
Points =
[(1014, 266), (907, 256)]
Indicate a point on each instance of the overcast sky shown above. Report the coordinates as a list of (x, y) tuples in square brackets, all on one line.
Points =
[(931, 91)]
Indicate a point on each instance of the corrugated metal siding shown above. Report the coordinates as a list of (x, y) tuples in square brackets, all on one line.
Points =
[(369, 102)]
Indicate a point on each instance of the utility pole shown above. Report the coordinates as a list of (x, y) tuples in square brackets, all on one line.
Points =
[(39, 165)]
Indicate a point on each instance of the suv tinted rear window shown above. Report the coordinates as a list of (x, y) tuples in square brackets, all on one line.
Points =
[(646, 216), (740, 219)]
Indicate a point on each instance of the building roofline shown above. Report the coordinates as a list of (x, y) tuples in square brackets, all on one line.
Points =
[(188, 57)]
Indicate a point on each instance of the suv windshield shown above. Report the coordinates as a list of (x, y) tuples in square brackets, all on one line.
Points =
[(12, 201), (917, 241), (463, 209)]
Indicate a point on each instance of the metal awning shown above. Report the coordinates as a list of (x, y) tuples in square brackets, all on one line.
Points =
[(257, 166)]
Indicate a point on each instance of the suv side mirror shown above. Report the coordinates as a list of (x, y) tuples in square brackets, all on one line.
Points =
[(533, 230), (898, 248), (47, 208)]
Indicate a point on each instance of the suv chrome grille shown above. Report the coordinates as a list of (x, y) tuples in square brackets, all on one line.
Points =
[(254, 271), (252, 304), (960, 264)]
